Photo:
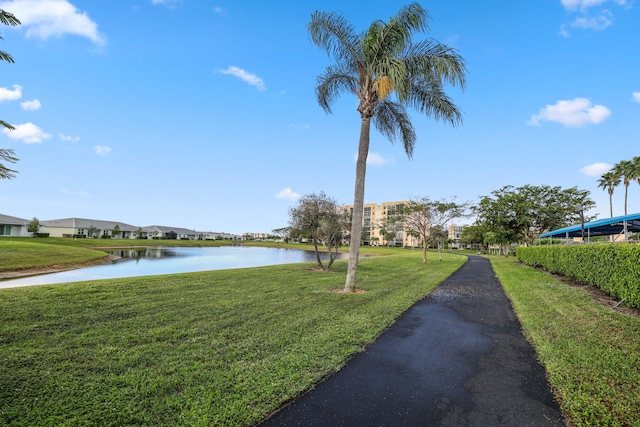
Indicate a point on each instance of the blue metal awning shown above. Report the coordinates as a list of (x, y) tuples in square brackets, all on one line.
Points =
[(599, 227)]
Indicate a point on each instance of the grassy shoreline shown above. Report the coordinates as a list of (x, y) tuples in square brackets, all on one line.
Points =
[(201, 348), (211, 348)]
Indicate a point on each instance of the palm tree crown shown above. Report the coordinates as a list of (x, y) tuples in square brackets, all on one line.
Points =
[(609, 181), (374, 65)]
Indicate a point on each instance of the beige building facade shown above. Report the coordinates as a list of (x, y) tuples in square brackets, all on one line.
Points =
[(381, 225)]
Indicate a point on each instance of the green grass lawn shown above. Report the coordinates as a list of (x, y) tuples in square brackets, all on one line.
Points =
[(211, 348), (17, 254), (591, 352)]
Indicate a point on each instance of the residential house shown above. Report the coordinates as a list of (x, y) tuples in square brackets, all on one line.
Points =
[(171, 233), (13, 226), (87, 228)]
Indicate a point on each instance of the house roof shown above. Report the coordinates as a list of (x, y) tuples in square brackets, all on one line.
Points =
[(87, 223), (12, 220), (165, 229), (600, 227)]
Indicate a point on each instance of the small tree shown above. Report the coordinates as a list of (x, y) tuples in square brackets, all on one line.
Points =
[(139, 233), (318, 217), (424, 216), (116, 231), (283, 233), (34, 227)]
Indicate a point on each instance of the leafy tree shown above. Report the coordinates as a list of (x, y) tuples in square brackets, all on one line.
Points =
[(425, 217), (389, 229), (282, 233), (318, 217), (7, 155), (139, 233), (473, 235), (521, 214), (609, 181), (116, 231), (374, 65), (34, 227)]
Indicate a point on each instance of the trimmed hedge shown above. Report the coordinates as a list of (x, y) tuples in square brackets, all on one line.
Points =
[(613, 268)]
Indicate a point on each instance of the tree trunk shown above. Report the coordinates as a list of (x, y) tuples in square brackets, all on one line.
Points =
[(358, 205), (424, 249)]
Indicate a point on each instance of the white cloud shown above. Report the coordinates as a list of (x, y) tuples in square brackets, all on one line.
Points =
[(596, 169), (102, 150), (597, 23), (287, 193), (10, 95), (636, 96), (68, 138), (31, 105), (375, 159), (576, 112), (217, 9), (245, 76), (53, 18), (27, 133), (581, 4)]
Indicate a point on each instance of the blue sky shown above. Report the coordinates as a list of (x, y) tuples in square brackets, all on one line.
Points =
[(202, 114)]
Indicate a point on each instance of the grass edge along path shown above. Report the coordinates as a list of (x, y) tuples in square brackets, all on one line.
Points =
[(211, 348), (590, 352)]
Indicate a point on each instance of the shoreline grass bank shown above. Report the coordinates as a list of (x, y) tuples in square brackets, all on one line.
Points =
[(213, 348)]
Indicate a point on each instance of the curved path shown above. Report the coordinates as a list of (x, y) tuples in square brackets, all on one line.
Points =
[(455, 358)]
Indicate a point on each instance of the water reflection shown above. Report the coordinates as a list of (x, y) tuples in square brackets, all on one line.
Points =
[(155, 261)]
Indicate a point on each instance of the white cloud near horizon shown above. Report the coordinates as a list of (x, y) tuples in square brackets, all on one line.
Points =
[(68, 138), (375, 159), (102, 150), (53, 18), (27, 133), (289, 194), (636, 96), (10, 94), (575, 112), (31, 105), (596, 169), (245, 76)]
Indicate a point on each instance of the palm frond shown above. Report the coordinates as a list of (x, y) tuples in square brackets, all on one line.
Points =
[(334, 81), (4, 56), (429, 98), (429, 57), (8, 156), (6, 125), (7, 18), (335, 35), (391, 120)]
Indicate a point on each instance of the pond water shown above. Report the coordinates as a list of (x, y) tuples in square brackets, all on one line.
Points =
[(155, 261)]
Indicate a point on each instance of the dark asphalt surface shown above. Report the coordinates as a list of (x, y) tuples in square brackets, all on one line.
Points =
[(456, 358)]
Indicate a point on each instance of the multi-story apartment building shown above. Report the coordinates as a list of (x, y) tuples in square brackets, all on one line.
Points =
[(382, 226), (455, 234)]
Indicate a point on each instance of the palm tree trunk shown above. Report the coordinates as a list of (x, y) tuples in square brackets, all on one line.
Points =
[(358, 205)]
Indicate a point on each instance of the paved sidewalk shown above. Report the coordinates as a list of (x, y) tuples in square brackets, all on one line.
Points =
[(456, 358)]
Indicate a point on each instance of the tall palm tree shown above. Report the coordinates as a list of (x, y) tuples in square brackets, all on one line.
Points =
[(374, 65), (624, 170), (609, 181)]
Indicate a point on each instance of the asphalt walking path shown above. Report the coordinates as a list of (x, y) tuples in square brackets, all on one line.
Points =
[(455, 358)]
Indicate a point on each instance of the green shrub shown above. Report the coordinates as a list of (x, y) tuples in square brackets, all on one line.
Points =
[(613, 268)]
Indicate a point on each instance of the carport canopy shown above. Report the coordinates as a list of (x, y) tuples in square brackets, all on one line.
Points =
[(599, 227)]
